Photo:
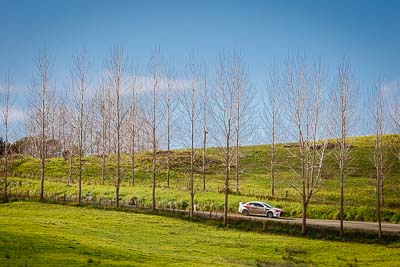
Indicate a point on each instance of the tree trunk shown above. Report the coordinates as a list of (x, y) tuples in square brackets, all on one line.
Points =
[(103, 168), (273, 162), (5, 185), (42, 178), (227, 174), (379, 202), (153, 193), (133, 167), (168, 142), (204, 158), (43, 143), (153, 180), (382, 194), (70, 170), (118, 143), (237, 161), (103, 142), (341, 200), (237, 135), (192, 158), (204, 129), (304, 218), (304, 189), (80, 179)]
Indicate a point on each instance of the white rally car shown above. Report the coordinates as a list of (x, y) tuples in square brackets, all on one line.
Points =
[(259, 208)]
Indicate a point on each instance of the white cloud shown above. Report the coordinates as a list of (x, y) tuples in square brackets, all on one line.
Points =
[(15, 115), (391, 89)]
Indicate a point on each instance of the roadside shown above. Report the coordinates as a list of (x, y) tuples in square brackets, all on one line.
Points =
[(316, 228), (354, 225)]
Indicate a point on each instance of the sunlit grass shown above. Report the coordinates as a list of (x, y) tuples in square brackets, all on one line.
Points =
[(36, 234)]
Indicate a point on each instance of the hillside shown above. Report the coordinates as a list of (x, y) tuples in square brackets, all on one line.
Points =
[(254, 180)]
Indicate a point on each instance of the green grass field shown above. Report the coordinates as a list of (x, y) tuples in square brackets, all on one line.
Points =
[(360, 198), (34, 234)]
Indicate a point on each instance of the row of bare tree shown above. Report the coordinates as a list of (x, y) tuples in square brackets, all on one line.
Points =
[(129, 111), (302, 106), (126, 110)]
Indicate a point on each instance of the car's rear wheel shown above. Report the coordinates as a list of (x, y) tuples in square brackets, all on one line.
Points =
[(245, 212), (269, 214)]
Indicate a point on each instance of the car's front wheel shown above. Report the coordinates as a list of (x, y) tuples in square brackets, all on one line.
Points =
[(269, 214), (245, 212)]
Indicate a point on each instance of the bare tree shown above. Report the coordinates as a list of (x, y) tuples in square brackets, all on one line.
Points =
[(40, 98), (305, 95), (190, 117), (243, 99), (380, 158), (343, 113), (6, 101), (154, 72), (224, 115), (116, 69), (79, 74), (271, 117)]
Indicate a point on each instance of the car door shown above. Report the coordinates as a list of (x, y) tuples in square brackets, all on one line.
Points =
[(259, 209), (252, 208)]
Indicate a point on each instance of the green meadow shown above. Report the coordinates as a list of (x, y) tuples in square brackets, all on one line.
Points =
[(35, 234)]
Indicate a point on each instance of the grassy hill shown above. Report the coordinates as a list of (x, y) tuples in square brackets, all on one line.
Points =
[(360, 196), (34, 234)]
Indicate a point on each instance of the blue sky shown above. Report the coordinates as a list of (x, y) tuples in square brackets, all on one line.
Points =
[(366, 32)]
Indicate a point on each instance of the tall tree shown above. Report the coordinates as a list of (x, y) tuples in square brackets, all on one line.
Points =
[(305, 91), (154, 72), (343, 113), (116, 70), (240, 84), (190, 116), (379, 157), (224, 116), (40, 99), (271, 116), (79, 80)]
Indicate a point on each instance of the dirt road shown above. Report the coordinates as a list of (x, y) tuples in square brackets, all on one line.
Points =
[(356, 225)]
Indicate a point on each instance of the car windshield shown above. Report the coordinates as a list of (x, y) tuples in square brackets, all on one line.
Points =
[(267, 205)]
